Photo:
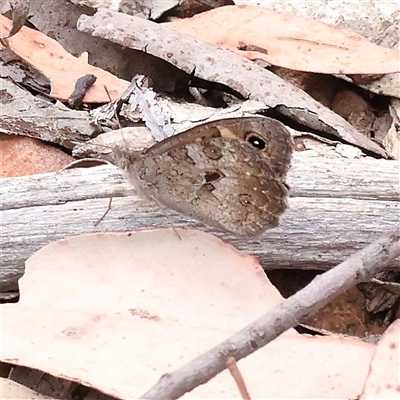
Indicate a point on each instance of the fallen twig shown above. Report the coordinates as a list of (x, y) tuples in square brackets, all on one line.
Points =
[(360, 267), (237, 376)]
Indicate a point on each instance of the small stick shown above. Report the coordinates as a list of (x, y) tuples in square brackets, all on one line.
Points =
[(237, 376), (360, 267)]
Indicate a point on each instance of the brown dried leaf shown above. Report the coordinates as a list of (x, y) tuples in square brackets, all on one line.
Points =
[(289, 41)]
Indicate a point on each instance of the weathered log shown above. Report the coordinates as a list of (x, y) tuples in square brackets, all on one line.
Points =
[(337, 207)]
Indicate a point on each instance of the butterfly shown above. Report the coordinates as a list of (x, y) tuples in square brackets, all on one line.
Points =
[(228, 173)]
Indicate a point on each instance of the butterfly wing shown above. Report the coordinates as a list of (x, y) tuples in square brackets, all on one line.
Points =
[(215, 174)]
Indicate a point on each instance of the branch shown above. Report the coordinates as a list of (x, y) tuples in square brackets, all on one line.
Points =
[(360, 267)]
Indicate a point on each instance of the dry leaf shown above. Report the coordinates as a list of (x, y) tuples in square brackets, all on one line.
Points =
[(383, 380), (289, 41), (21, 155), (63, 69), (116, 311)]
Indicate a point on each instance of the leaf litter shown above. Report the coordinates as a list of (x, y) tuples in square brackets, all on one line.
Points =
[(105, 292), (117, 310)]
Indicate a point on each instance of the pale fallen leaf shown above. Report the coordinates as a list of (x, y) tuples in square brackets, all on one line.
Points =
[(63, 69), (371, 14), (117, 310), (383, 381), (289, 41)]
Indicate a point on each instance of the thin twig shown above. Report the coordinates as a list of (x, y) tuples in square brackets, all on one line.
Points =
[(360, 267), (237, 376)]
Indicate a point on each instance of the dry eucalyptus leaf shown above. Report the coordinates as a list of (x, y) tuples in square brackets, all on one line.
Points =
[(116, 311), (27, 156), (289, 41), (372, 15), (383, 380), (377, 21), (63, 69)]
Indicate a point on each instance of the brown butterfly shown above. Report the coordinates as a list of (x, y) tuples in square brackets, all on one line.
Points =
[(228, 173)]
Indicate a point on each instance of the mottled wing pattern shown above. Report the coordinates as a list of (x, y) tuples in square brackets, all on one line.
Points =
[(228, 173)]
